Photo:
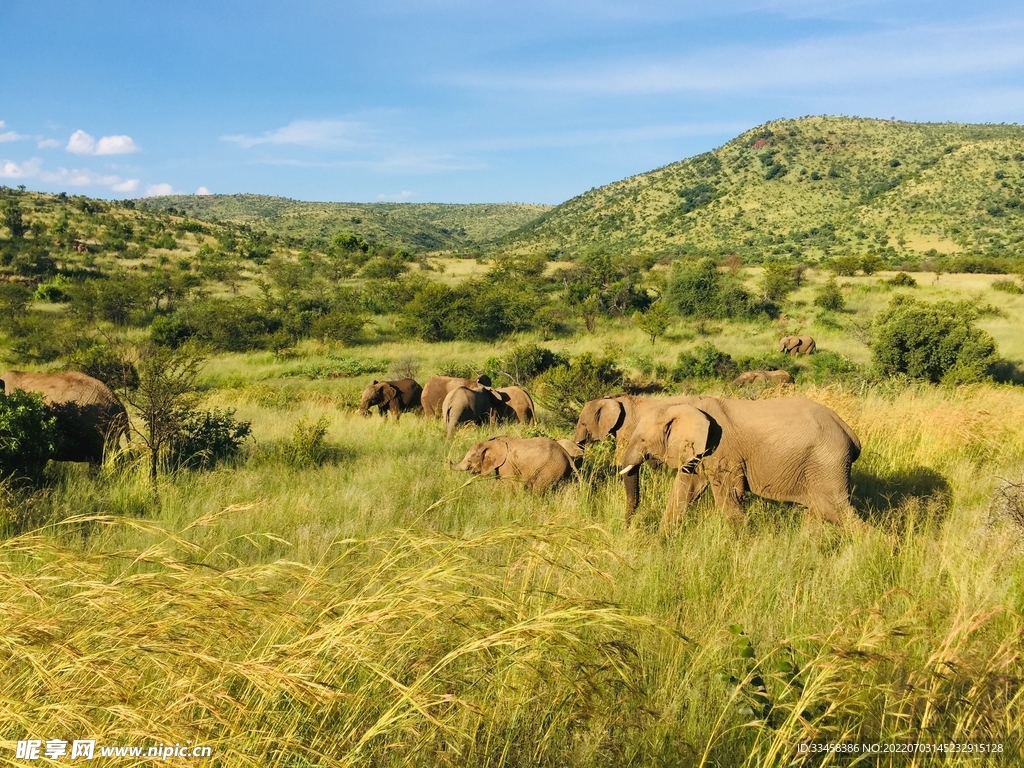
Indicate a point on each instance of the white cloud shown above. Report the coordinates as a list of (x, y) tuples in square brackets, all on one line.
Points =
[(401, 197), (128, 185), (12, 170), (3, 124), (203, 191), (81, 143), (48, 143), (908, 53), (306, 133), (116, 145), (157, 190), (12, 136)]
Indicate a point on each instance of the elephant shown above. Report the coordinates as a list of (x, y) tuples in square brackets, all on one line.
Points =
[(395, 397), (797, 345), (618, 415), (539, 462), (789, 449), (89, 415), (438, 388), (520, 402), (477, 404), (766, 377)]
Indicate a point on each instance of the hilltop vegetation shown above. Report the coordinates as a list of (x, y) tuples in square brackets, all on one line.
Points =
[(809, 189), (409, 226)]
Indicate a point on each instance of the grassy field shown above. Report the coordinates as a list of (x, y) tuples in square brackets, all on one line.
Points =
[(370, 607)]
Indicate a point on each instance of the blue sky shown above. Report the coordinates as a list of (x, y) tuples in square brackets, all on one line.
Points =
[(457, 100)]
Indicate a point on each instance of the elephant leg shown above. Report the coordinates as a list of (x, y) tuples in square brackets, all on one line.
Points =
[(685, 489), (836, 509), (729, 486)]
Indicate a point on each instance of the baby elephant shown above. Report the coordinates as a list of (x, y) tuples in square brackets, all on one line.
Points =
[(539, 462), (764, 377)]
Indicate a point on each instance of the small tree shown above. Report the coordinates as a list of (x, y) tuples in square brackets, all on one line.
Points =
[(164, 398), (654, 322), (936, 342), (29, 436), (830, 296), (777, 281), (13, 220)]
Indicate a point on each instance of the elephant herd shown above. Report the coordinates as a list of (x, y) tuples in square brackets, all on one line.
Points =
[(787, 449)]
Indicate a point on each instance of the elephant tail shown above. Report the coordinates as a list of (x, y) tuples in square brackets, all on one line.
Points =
[(855, 447)]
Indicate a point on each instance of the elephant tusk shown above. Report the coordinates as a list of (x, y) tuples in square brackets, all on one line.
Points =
[(627, 470)]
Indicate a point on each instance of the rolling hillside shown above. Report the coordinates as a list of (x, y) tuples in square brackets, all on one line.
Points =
[(412, 226), (810, 187)]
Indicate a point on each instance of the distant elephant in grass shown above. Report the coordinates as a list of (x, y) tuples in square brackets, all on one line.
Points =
[(618, 416), (520, 402), (438, 388), (539, 462), (89, 415), (797, 345), (764, 377), (394, 397), (477, 405), (788, 449)]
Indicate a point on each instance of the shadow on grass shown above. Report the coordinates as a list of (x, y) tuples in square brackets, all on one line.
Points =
[(885, 498)]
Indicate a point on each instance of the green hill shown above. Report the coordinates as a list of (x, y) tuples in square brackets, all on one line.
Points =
[(412, 226), (811, 187)]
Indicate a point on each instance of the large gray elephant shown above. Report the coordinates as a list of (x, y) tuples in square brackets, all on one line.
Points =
[(89, 415), (764, 377), (477, 404), (395, 397), (788, 449), (438, 388), (538, 462), (618, 416), (797, 345), (520, 403)]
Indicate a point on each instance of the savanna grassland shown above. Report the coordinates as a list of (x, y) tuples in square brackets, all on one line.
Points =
[(332, 593)]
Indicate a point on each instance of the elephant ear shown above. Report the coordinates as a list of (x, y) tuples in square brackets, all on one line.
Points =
[(493, 455), (687, 436), (389, 392), (608, 416)]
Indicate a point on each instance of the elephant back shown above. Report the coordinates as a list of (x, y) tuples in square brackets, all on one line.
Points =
[(88, 412)]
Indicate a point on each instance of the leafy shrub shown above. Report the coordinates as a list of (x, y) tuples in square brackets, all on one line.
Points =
[(29, 436), (205, 438), (830, 297), (698, 289), (902, 280), (338, 325), (936, 342), (522, 363), (704, 362), (827, 365), (457, 368), (843, 266), (306, 446), (1007, 286), (342, 368), (102, 362), (778, 281), (236, 325), (564, 388)]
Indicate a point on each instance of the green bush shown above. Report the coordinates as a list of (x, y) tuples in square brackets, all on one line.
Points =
[(830, 296), (704, 362), (342, 368), (522, 363), (936, 342), (699, 289), (1008, 286), (902, 280), (306, 446), (828, 365), (843, 266), (564, 388), (29, 436), (99, 360), (206, 438)]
